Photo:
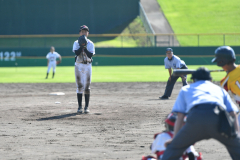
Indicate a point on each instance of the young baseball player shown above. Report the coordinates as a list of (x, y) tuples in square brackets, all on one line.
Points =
[(158, 147), (202, 101), (173, 62), (84, 50), (52, 57), (225, 58)]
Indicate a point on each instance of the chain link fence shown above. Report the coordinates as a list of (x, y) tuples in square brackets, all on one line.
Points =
[(147, 25)]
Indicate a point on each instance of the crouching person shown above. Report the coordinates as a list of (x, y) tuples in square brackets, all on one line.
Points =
[(158, 147)]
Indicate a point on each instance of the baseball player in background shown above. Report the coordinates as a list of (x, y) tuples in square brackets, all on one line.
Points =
[(225, 58), (173, 62), (52, 61), (204, 103), (158, 145), (84, 50)]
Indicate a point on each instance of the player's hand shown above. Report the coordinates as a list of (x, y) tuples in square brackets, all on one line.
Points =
[(168, 142), (82, 48), (169, 79)]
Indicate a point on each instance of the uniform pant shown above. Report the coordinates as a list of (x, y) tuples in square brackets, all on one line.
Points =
[(239, 124), (51, 64), (202, 123), (170, 84), (83, 74)]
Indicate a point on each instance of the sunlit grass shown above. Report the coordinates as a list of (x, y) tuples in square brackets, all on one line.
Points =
[(99, 74)]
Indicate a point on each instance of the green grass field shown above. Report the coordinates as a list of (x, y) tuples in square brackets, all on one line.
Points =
[(203, 16), (99, 74)]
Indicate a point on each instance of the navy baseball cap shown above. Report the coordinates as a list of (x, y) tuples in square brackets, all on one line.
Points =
[(84, 27), (169, 49), (201, 73)]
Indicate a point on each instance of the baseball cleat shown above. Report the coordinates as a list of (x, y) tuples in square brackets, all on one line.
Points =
[(86, 111), (164, 97), (80, 110)]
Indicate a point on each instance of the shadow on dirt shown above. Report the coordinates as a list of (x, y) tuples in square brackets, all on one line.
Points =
[(57, 117)]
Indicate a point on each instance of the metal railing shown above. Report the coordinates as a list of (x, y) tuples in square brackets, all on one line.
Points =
[(121, 40), (147, 25)]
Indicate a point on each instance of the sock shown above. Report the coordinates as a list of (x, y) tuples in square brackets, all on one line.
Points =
[(87, 97), (191, 156), (53, 74), (47, 75), (79, 97)]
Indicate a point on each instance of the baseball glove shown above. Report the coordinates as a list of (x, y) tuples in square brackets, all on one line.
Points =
[(58, 62), (82, 41)]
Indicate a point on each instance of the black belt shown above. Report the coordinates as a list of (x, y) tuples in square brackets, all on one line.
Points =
[(85, 62), (205, 106)]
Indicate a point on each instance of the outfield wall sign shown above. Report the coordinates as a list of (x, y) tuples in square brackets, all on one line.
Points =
[(9, 55)]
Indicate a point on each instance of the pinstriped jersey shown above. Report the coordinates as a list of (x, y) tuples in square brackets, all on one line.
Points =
[(232, 82)]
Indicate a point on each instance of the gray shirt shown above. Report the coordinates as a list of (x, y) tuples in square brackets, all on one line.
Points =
[(175, 63)]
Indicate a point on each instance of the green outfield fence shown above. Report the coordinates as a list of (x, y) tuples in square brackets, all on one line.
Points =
[(121, 40), (110, 61), (14, 57)]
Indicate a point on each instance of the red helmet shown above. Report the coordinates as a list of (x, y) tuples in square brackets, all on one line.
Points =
[(170, 121)]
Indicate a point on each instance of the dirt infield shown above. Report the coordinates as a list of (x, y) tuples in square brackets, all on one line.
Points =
[(33, 126)]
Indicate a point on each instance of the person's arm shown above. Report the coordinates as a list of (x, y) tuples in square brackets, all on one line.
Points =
[(78, 51), (234, 115), (89, 50), (179, 123), (60, 57), (89, 54), (231, 108), (170, 73), (177, 126), (47, 62)]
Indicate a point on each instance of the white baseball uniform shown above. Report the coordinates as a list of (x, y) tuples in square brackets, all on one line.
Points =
[(83, 67), (52, 56), (159, 141)]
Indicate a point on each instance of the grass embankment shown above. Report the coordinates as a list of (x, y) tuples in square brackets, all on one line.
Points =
[(203, 16), (134, 27), (99, 74)]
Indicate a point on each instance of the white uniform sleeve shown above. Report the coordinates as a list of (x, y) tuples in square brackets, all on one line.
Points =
[(75, 46), (167, 66), (90, 47), (47, 56), (180, 104), (158, 143)]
